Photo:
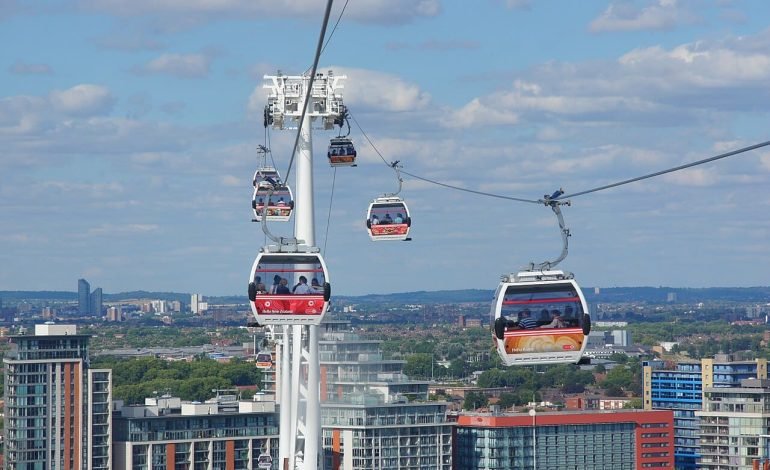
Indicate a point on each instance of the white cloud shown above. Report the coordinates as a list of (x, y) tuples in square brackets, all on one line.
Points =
[(699, 177), (122, 229), (518, 3), (594, 160), (381, 91), (363, 90), (701, 64), (230, 180), (365, 11), (23, 68), (82, 100), (652, 86), (764, 160), (435, 45), (178, 65), (626, 16), (97, 190), (477, 113), (128, 41)]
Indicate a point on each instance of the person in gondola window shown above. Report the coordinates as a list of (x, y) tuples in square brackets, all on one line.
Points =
[(399, 219), (569, 318), (302, 287), (556, 321), (315, 287), (387, 219), (280, 202), (283, 287), (375, 220), (526, 321), (276, 283)]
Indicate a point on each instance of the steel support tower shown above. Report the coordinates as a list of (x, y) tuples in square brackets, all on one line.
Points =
[(300, 371)]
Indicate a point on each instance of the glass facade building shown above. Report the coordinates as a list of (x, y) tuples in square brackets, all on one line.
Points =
[(57, 410), (84, 297), (679, 387), (565, 441), (372, 415), (222, 433), (735, 426)]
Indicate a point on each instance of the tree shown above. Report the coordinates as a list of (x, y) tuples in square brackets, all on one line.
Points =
[(419, 365), (475, 400), (634, 404), (458, 368), (508, 400)]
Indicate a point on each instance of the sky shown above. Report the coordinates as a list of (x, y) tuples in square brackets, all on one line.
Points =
[(129, 131)]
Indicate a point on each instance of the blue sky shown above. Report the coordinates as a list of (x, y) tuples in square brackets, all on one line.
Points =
[(129, 128)]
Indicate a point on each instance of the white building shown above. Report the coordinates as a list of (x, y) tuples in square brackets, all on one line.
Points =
[(733, 426)]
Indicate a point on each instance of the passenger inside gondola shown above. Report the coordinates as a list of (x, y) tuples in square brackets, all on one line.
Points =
[(526, 321), (387, 219), (283, 287), (569, 318), (375, 219), (556, 320)]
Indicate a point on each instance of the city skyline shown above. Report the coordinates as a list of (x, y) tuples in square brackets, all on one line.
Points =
[(130, 140)]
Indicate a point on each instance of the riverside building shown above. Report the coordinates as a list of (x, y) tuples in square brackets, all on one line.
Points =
[(372, 415), (220, 434), (57, 409), (679, 387), (734, 426), (598, 440)]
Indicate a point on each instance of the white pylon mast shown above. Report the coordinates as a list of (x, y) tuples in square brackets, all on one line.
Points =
[(300, 420)]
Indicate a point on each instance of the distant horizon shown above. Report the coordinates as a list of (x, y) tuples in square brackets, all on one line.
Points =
[(586, 289)]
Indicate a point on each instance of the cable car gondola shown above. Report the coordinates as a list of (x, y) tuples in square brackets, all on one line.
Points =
[(264, 360), (341, 152), (540, 317), (289, 288), (388, 219), (279, 204)]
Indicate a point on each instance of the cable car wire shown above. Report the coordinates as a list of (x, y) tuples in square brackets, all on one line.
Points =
[(267, 140), (334, 28), (670, 170), (565, 196), (310, 84), (329, 216), (438, 183)]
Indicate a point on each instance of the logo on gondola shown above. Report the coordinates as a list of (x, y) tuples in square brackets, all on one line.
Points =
[(568, 347), (311, 303), (267, 303)]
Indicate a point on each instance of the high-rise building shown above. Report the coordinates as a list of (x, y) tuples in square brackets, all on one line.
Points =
[(115, 313), (734, 426), (679, 387), (372, 415), (57, 410), (95, 302), (84, 297), (222, 433), (587, 440), (196, 304)]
